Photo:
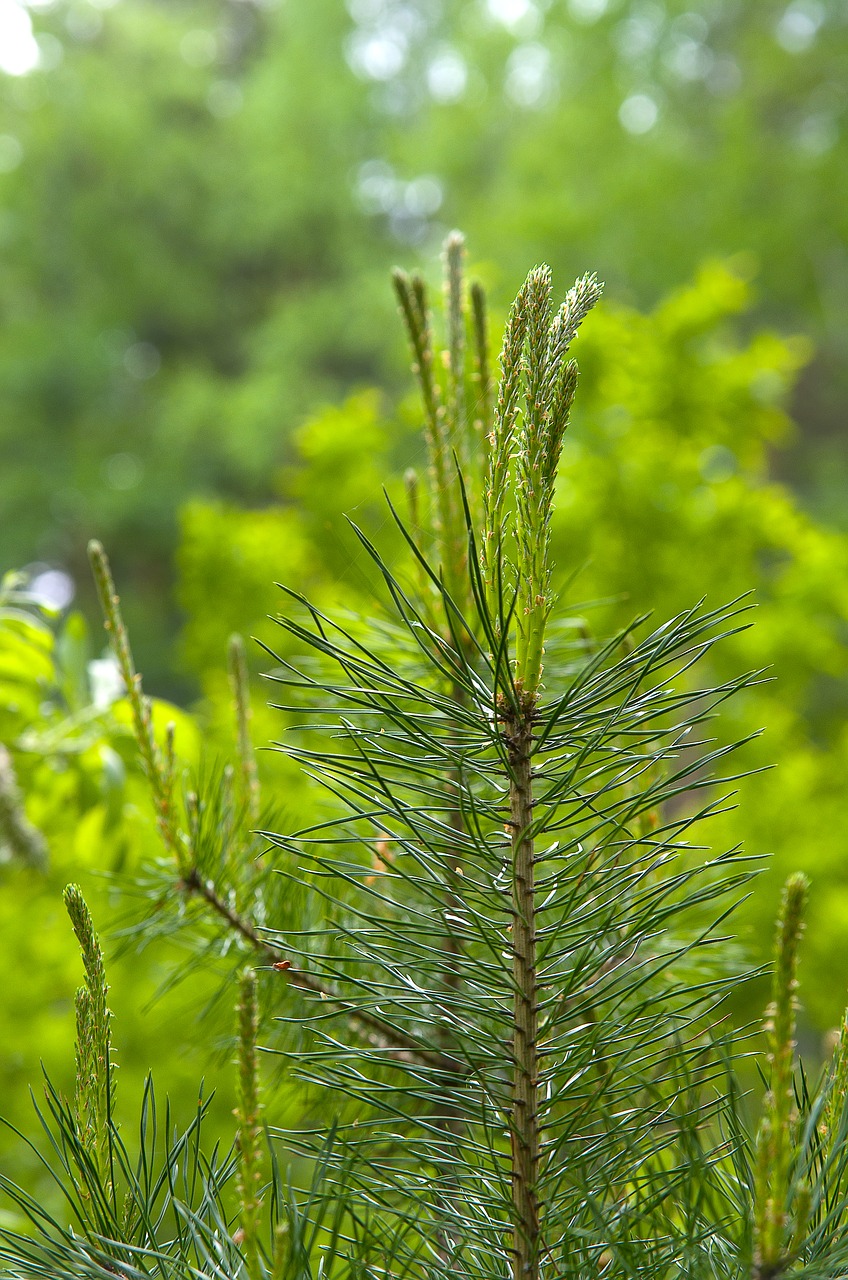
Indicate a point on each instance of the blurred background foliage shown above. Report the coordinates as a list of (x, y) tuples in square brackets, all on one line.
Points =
[(199, 207)]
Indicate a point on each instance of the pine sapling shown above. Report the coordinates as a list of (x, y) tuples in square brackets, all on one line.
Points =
[(501, 977)]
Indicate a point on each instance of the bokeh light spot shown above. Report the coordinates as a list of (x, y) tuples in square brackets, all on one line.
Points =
[(18, 45), (224, 99), (122, 471), (638, 113), (199, 47), (529, 78), (799, 25), (447, 76), (587, 11), (376, 186), (423, 196), (53, 588), (377, 56), (142, 361)]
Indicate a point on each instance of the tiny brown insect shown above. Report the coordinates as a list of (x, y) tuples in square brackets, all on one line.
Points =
[(282, 965)]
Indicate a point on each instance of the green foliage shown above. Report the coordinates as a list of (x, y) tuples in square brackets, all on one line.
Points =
[(166, 321), (67, 729), (161, 1211), (168, 327), (670, 487), (497, 946), (73, 803)]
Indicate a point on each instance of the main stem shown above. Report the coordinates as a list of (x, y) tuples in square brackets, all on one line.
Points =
[(525, 1138)]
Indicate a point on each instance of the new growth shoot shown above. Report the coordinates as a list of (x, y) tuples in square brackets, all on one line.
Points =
[(777, 1139), (538, 382), (94, 1095)]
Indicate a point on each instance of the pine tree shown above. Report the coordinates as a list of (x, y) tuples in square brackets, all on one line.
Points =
[(498, 943)]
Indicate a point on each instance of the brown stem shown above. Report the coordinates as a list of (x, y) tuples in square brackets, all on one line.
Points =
[(525, 1138), (402, 1047)]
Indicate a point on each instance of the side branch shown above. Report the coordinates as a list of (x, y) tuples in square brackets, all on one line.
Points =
[(381, 1034)]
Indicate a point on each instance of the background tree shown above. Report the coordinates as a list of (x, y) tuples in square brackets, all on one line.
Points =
[(190, 279)]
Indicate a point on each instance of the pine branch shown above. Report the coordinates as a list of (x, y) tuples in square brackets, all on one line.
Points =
[(381, 1033), (506, 907), (160, 774), (412, 297), (159, 771)]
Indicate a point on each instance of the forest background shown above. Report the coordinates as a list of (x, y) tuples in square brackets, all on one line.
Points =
[(200, 204)]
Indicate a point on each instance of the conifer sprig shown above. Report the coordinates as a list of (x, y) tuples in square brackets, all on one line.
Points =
[(455, 431), (158, 769), (600, 876), (412, 297), (95, 1084), (551, 383), (190, 844), (524, 454), (776, 1141), (496, 488)]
